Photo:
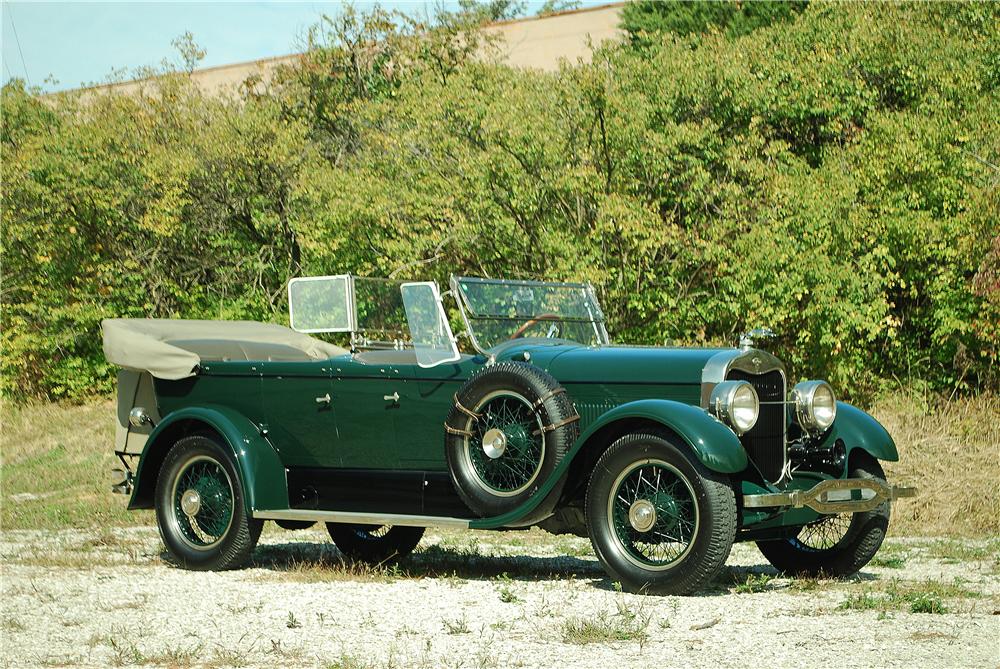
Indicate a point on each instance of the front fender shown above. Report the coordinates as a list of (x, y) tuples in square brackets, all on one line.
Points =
[(714, 444), (261, 470), (858, 429)]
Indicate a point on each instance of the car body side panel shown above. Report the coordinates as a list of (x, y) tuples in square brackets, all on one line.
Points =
[(261, 470), (713, 443), (858, 429)]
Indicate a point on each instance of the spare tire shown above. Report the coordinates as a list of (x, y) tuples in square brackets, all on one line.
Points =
[(509, 428)]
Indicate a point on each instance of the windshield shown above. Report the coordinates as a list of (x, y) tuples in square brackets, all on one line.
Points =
[(501, 310)]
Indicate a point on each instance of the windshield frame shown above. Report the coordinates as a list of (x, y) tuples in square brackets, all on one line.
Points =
[(596, 320)]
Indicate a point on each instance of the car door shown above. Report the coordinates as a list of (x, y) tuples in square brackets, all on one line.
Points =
[(301, 417), (366, 395), (419, 421)]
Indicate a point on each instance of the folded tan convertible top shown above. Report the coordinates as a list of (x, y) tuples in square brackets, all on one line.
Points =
[(173, 348)]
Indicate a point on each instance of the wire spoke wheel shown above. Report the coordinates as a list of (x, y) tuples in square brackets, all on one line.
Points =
[(202, 503), (507, 446), (372, 531), (653, 514), (825, 533)]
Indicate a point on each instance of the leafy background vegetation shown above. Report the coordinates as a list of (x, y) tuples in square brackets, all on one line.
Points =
[(829, 170)]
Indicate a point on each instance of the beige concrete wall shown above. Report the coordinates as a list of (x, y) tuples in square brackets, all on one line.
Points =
[(537, 42), (543, 41)]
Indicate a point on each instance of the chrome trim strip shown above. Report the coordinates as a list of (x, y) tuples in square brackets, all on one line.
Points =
[(826, 496), (752, 361), (362, 518)]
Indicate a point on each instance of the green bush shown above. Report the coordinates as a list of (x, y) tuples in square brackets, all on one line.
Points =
[(833, 177)]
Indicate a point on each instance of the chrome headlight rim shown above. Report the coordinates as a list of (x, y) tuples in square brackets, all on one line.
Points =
[(723, 405), (804, 397)]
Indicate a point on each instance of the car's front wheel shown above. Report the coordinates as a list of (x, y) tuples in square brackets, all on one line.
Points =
[(835, 544), (658, 519), (200, 507), (375, 544)]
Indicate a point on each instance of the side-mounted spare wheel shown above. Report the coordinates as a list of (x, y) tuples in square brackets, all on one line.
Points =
[(200, 507), (659, 520), (511, 425)]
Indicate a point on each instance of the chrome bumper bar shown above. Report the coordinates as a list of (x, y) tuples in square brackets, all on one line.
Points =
[(833, 496)]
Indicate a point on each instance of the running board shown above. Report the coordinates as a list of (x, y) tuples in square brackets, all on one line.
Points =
[(357, 518)]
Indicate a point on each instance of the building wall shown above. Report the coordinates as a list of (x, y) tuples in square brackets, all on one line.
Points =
[(537, 42)]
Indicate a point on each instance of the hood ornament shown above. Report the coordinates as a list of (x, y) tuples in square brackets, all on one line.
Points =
[(756, 337)]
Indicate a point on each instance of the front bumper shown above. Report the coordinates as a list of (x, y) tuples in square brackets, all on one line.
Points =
[(833, 496)]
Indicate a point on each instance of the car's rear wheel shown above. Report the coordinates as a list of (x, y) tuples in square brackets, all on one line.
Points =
[(374, 544), (200, 507), (659, 521), (835, 544)]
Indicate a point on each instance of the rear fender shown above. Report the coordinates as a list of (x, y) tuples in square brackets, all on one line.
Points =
[(261, 471)]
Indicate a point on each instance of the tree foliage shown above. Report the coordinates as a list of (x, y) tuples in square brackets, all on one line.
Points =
[(645, 18), (833, 177)]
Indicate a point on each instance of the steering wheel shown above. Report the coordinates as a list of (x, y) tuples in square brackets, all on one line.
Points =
[(534, 321)]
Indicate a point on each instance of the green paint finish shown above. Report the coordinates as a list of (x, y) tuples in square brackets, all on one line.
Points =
[(261, 470), (359, 427), (301, 423), (630, 364), (859, 430), (713, 443)]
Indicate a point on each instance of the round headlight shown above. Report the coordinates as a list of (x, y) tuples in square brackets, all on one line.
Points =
[(815, 405), (735, 403)]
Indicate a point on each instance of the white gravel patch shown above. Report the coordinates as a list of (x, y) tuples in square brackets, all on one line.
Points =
[(80, 598)]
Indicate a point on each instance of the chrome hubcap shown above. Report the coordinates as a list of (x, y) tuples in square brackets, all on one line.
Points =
[(494, 443), (642, 515), (190, 502)]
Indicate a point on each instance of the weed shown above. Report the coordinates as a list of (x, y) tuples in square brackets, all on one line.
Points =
[(11, 624), (459, 626), (925, 597), (754, 583), (889, 562), (625, 624), (804, 584), (506, 590), (292, 623), (349, 662), (125, 653), (927, 603)]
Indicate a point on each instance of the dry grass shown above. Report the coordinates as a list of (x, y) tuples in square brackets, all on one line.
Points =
[(949, 450), (54, 466), (54, 461)]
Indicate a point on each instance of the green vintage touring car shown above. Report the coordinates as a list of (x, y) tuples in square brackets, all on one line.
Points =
[(662, 456)]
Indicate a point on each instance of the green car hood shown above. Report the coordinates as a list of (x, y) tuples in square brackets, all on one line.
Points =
[(572, 363)]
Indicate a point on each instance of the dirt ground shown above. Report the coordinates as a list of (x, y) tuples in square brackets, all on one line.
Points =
[(88, 598)]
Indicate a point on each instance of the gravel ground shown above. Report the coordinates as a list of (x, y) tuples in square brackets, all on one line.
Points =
[(77, 598)]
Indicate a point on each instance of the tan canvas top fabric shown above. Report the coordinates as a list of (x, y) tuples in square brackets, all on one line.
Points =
[(172, 348)]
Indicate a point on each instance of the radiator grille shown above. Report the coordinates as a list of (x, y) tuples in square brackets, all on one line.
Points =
[(765, 443)]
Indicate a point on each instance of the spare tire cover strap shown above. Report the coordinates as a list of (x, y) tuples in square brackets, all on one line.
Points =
[(468, 412), (556, 426), (543, 398)]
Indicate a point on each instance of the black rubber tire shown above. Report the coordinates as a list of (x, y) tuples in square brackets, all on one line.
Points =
[(856, 549), (237, 544), (532, 383), (295, 524), (362, 543), (714, 533)]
